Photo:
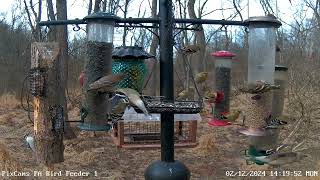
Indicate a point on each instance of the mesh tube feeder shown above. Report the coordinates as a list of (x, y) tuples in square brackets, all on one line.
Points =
[(130, 60), (98, 64), (223, 66), (261, 63)]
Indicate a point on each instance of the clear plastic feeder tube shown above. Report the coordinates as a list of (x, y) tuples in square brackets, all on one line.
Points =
[(100, 32), (262, 45), (223, 65)]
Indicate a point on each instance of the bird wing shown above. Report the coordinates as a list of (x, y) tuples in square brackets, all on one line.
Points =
[(109, 80)]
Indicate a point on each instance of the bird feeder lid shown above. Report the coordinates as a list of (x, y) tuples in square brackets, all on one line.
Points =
[(224, 54), (130, 52), (266, 21), (218, 122), (101, 16), (281, 68)]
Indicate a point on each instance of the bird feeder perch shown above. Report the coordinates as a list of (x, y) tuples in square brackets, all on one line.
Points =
[(261, 63), (98, 64), (130, 60), (223, 65), (280, 78)]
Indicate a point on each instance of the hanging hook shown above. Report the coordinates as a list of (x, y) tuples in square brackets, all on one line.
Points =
[(76, 27)]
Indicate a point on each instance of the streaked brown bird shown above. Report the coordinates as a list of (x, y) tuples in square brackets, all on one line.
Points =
[(134, 99), (201, 77), (106, 83), (259, 87), (210, 96), (187, 93), (190, 49)]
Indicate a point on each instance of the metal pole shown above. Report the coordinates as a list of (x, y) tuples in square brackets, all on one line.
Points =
[(166, 78)]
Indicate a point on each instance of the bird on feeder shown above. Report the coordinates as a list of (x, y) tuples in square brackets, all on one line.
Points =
[(81, 78), (30, 142), (190, 49), (187, 93), (119, 103), (231, 116), (259, 87), (273, 123), (134, 99), (201, 77), (106, 83)]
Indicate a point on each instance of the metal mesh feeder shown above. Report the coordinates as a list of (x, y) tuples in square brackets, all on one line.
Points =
[(156, 104), (130, 60)]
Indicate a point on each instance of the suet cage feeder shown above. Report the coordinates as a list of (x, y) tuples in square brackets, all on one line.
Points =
[(37, 81), (134, 131), (223, 66), (280, 78), (100, 30), (261, 63), (130, 60)]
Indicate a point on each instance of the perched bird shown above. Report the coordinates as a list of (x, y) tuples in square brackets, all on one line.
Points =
[(258, 87), (273, 123), (190, 49), (231, 116), (210, 96), (278, 159), (30, 141), (119, 104), (134, 99), (106, 83), (187, 93), (201, 77)]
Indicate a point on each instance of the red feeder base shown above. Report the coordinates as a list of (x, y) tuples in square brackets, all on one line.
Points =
[(218, 122)]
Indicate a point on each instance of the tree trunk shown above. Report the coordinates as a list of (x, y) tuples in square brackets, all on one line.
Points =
[(152, 63), (62, 39), (200, 40)]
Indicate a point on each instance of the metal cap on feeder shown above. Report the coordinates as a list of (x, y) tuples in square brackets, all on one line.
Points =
[(223, 58), (101, 26), (130, 60)]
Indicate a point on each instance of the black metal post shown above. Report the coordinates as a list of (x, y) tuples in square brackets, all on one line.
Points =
[(167, 168)]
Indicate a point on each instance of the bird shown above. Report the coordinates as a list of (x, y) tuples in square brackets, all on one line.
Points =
[(273, 123), (190, 49), (210, 96), (259, 87), (134, 99), (106, 83), (184, 94), (279, 158), (119, 104), (231, 116), (201, 77), (30, 142)]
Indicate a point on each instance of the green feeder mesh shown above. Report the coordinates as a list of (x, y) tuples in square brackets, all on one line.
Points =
[(135, 71)]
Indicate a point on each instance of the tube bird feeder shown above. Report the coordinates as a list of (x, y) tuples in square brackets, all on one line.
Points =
[(98, 64), (130, 60), (223, 65), (261, 63), (280, 78)]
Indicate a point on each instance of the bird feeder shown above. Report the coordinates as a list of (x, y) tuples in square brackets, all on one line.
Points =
[(130, 60), (223, 65), (100, 28), (261, 63), (280, 78)]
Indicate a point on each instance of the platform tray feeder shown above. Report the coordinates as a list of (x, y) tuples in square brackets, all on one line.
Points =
[(135, 131)]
